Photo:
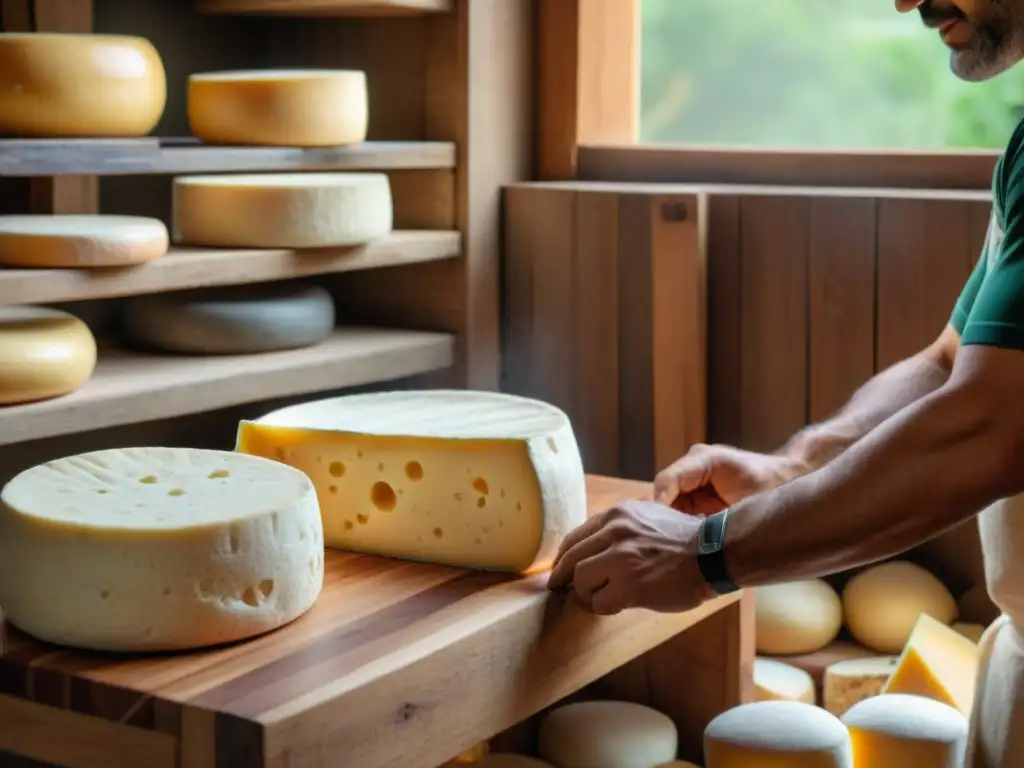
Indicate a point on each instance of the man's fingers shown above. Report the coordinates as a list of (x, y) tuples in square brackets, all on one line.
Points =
[(591, 574), (682, 477), (611, 599), (565, 566), (588, 527)]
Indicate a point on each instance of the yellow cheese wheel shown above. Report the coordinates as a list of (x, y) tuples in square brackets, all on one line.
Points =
[(43, 353), (63, 85), (292, 108), (80, 241), (798, 617), (899, 731)]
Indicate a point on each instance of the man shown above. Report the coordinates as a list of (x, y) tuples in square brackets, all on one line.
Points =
[(922, 447)]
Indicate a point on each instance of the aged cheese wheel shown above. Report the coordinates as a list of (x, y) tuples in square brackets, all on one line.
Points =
[(64, 85), (798, 617), (882, 604), (230, 321), (972, 632), (849, 682), (897, 731), (607, 734), (293, 108), (147, 549), (300, 210), (73, 242), (777, 681), (44, 353)]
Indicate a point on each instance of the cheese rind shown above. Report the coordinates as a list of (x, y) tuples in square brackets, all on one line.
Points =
[(456, 477), (777, 681), (44, 353), (302, 210), (147, 549), (898, 731), (293, 108), (607, 734), (849, 682), (73, 242), (797, 617)]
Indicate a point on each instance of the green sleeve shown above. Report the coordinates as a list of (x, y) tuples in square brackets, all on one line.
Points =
[(969, 294)]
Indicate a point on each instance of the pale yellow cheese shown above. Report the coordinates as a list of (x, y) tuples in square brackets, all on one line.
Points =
[(777, 681), (607, 734), (65, 85), (72, 241), (473, 479), (972, 632), (853, 680), (44, 353), (796, 617), (300, 210), (294, 108), (898, 731), (147, 549)]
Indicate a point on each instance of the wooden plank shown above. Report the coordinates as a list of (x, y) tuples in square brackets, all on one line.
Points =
[(725, 356), (325, 7)]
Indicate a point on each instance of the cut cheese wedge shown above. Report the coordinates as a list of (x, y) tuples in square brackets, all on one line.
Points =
[(473, 479), (146, 549), (67, 85), (294, 108), (777, 681), (607, 734), (73, 242), (797, 617), (302, 210), (44, 353), (897, 731), (852, 681)]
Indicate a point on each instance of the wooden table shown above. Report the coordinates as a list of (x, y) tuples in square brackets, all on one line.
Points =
[(399, 664)]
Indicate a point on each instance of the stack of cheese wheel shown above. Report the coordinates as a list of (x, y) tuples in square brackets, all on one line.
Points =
[(80, 241), (607, 734), (44, 353)]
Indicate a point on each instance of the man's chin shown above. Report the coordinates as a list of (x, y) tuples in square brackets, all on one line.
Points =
[(967, 65)]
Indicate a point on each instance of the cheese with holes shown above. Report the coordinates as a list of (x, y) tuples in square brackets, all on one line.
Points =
[(897, 731), (75, 242), (797, 617), (300, 210), (776, 681), (972, 632), (44, 353), (291, 108), (473, 479), (232, 320), (882, 604), (938, 663), (849, 682), (607, 734), (152, 549), (79, 86), (777, 733)]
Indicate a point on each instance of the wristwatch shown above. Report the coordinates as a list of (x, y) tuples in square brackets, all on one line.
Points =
[(711, 555)]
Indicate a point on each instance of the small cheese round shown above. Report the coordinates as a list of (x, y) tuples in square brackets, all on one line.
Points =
[(971, 631), (509, 760), (79, 86), (152, 549), (291, 108), (797, 617), (607, 734), (777, 681), (301, 210), (73, 242), (851, 681), (44, 353), (474, 754), (777, 733), (898, 731), (230, 321), (882, 604)]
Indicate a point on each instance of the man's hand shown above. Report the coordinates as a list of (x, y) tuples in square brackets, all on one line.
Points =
[(634, 555)]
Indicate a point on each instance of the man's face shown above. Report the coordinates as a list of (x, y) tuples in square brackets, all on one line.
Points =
[(984, 36)]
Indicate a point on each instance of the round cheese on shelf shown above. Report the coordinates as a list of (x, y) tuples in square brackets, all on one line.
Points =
[(148, 549), (73, 241), (777, 681), (972, 632), (44, 353), (851, 681), (472, 479), (230, 321), (607, 734), (883, 603), (79, 86), (292, 108), (797, 617), (509, 760), (898, 731), (300, 210)]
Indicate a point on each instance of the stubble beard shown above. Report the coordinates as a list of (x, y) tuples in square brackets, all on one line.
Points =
[(995, 42)]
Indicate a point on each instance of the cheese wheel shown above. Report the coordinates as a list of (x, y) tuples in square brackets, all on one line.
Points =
[(151, 549), (230, 321), (607, 734), (472, 479), (776, 681), (776, 733), (80, 241), (972, 632), (882, 604), (798, 617), (44, 353), (474, 754), (79, 86), (896, 731), (293, 108), (852, 681), (509, 760), (301, 210)]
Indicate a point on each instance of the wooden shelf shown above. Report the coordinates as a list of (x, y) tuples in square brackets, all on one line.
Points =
[(184, 268), (326, 7), (128, 157), (128, 388)]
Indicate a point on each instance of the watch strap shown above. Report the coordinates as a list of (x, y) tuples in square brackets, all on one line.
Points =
[(711, 555)]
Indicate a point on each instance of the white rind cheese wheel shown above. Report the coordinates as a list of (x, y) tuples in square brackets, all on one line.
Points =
[(472, 479), (777, 681), (79, 86), (290, 108), (607, 734), (851, 681), (509, 760), (897, 731), (882, 604), (44, 353), (230, 321), (797, 617), (301, 210), (74, 242), (148, 549)]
